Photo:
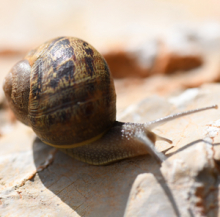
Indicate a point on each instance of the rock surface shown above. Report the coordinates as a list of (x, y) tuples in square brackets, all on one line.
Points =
[(186, 184)]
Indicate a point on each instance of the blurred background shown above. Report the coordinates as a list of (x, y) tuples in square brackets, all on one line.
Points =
[(152, 47)]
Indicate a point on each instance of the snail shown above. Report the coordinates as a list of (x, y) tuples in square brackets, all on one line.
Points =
[(65, 92)]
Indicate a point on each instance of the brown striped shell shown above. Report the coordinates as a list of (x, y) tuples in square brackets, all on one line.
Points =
[(64, 90)]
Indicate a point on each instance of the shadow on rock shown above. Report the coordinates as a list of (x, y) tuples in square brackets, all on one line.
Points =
[(95, 190)]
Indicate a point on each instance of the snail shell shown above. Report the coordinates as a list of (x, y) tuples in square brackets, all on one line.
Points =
[(63, 90)]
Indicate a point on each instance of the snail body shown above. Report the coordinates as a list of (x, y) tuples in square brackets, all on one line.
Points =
[(64, 91)]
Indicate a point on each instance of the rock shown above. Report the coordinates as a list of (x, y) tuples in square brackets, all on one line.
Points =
[(177, 53), (185, 184), (135, 62), (122, 65), (173, 54), (189, 178)]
